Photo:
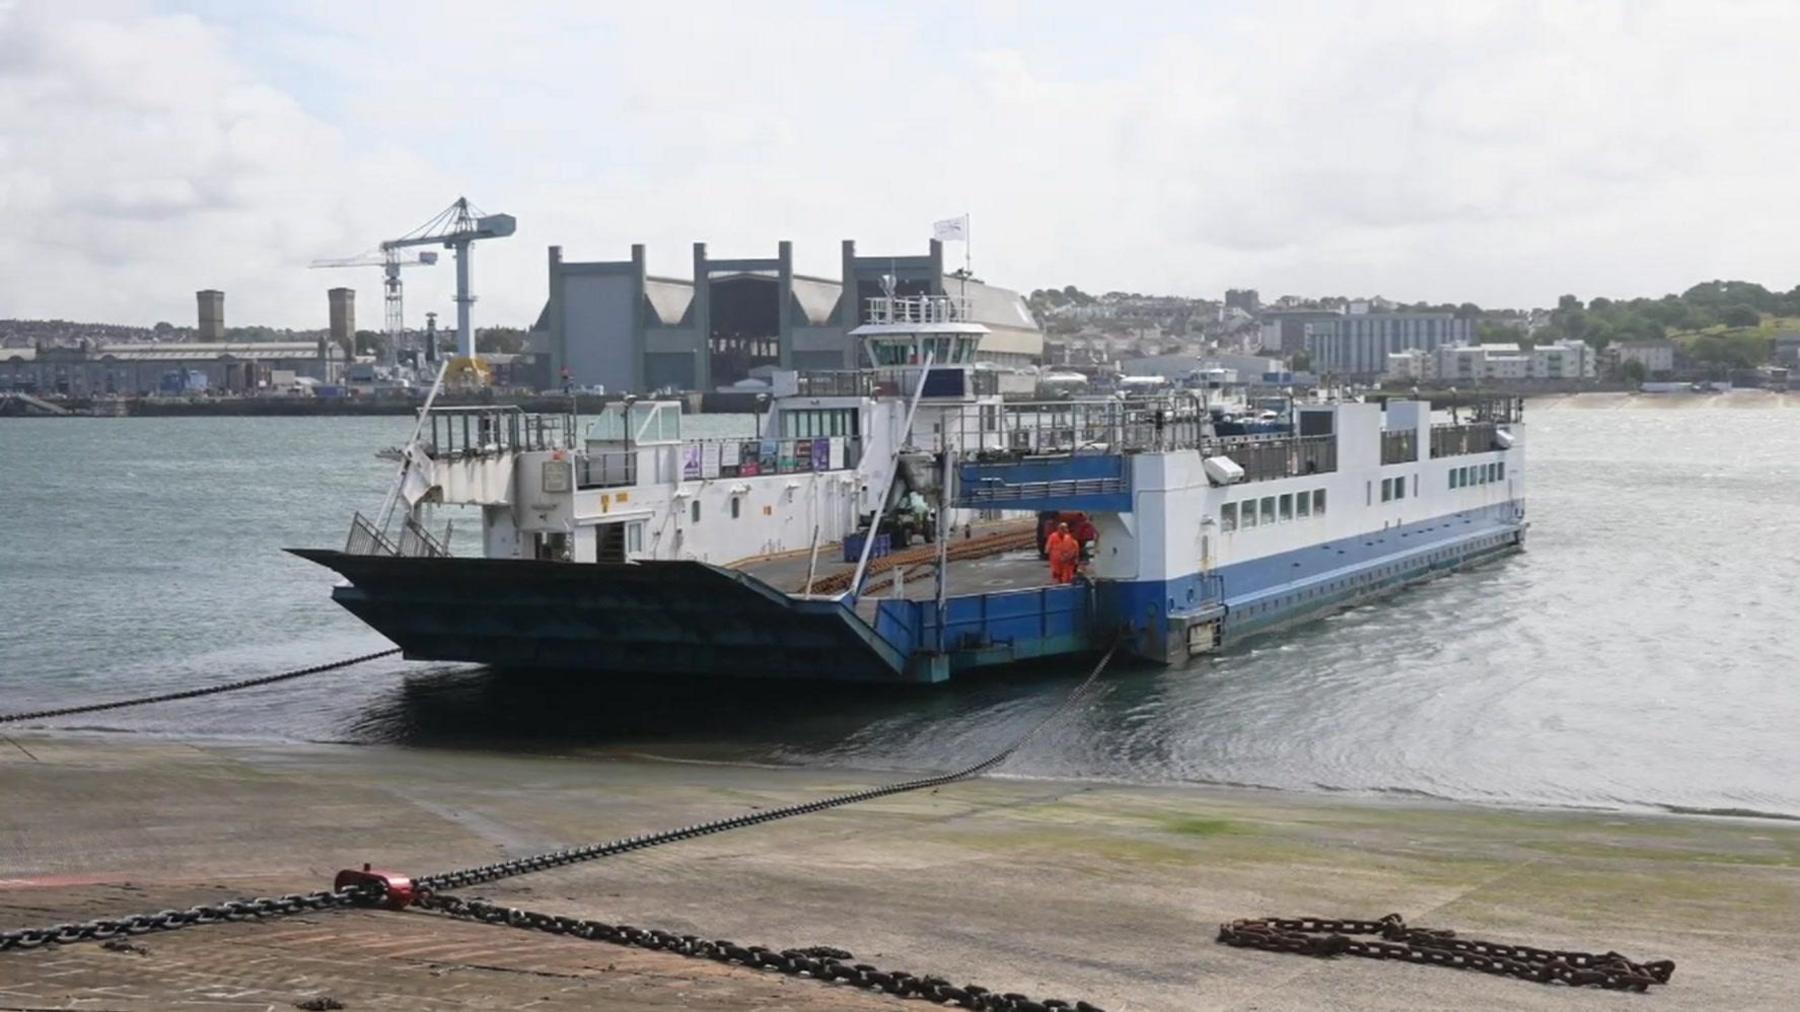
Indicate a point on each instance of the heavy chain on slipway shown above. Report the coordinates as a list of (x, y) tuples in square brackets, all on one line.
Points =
[(209, 690), (1320, 936), (819, 962), (169, 920)]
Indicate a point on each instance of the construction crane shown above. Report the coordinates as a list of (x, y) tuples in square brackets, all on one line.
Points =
[(456, 228), (391, 263)]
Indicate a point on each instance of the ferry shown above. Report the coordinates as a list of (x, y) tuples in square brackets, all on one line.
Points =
[(624, 543)]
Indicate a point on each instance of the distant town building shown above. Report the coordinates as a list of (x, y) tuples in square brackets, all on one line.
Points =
[(1477, 363), (1358, 344), (1245, 299), (1284, 330), (1787, 348), (211, 305), (1657, 355), (88, 370)]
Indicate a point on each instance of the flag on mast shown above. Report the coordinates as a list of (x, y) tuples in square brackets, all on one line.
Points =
[(951, 229)]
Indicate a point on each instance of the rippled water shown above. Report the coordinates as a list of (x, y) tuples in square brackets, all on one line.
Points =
[(1641, 653)]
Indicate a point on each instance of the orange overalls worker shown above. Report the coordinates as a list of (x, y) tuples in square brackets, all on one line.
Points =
[(1065, 554)]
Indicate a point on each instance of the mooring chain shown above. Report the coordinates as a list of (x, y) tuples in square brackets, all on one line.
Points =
[(575, 855), (818, 962), (210, 690), (169, 920), (1320, 936)]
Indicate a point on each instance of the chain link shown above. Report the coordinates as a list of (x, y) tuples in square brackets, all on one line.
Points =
[(257, 908), (482, 874), (818, 962), (1321, 936), (247, 683)]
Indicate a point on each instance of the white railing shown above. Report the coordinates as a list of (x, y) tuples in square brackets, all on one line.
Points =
[(917, 309)]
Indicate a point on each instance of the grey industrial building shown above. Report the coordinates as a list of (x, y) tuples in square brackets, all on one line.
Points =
[(613, 324), (89, 370), (1358, 344)]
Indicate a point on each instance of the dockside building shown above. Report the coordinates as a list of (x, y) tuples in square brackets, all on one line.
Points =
[(614, 324)]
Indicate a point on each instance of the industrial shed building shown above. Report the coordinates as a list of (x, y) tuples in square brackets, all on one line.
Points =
[(611, 323)]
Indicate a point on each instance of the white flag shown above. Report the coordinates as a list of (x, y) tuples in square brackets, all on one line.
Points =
[(951, 229)]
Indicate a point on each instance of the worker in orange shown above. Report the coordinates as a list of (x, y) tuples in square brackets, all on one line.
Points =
[(1065, 554)]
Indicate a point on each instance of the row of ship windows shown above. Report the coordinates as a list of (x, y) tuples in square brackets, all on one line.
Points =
[(1477, 474), (1272, 509)]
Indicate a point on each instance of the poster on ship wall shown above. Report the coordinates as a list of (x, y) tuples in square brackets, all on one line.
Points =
[(728, 458), (792, 452), (821, 454), (709, 460), (690, 460), (768, 457), (750, 460), (837, 453)]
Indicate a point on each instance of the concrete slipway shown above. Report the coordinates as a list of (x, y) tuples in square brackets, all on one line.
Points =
[(1102, 892)]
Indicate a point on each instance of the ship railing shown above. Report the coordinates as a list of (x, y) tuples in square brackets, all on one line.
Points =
[(1074, 427), (606, 469), (1469, 437), (1271, 457), (491, 429), (418, 543), (916, 309), (1400, 446), (366, 539)]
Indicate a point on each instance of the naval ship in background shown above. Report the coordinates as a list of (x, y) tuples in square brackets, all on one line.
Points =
[(621, 544)]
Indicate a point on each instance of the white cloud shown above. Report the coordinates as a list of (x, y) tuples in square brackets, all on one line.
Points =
[(1502, 153)]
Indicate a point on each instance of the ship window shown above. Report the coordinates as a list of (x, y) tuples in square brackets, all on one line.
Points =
[(1451, 474), (735, 503), (1247, 516), (1228, 517), (1502, 470), (1493, 472), (1287, 507), (1400, 487), (1303, 504), (634, 537), (1415, 486), (1368, 493), (696, 511), (1387, 489), (1319, 502), (1268, 510)]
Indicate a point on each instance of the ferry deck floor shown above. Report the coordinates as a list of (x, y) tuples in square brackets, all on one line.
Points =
[(1012, 569), (1104, 892)]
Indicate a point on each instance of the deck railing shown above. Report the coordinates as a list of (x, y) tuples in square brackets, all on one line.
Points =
[(469, 431), (1269, 457), (1457, 440), (1399, 447)]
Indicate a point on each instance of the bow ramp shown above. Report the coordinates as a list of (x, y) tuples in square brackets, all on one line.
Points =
[(652, 616)]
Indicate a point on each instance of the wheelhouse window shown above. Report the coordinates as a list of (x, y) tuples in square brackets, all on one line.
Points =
[(1502, 470), (1268, 510), (1228, 517), (1387, 489), (1400, 487), (1247, 515), (1303, 504), (1319, 502), (1287, 506)]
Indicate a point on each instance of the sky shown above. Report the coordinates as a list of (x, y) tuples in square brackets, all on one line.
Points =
[(1500, 153)]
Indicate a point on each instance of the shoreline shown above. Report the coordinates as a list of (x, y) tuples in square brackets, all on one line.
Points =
[(1057, 889), (1396, 797)]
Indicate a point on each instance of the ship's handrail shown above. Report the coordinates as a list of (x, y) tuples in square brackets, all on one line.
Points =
[(473, 430), (1455, 440), (1399, 446), (901, 309)]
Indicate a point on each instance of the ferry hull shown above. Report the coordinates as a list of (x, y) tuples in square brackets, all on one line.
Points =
[(697, 619), (652, 617)]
